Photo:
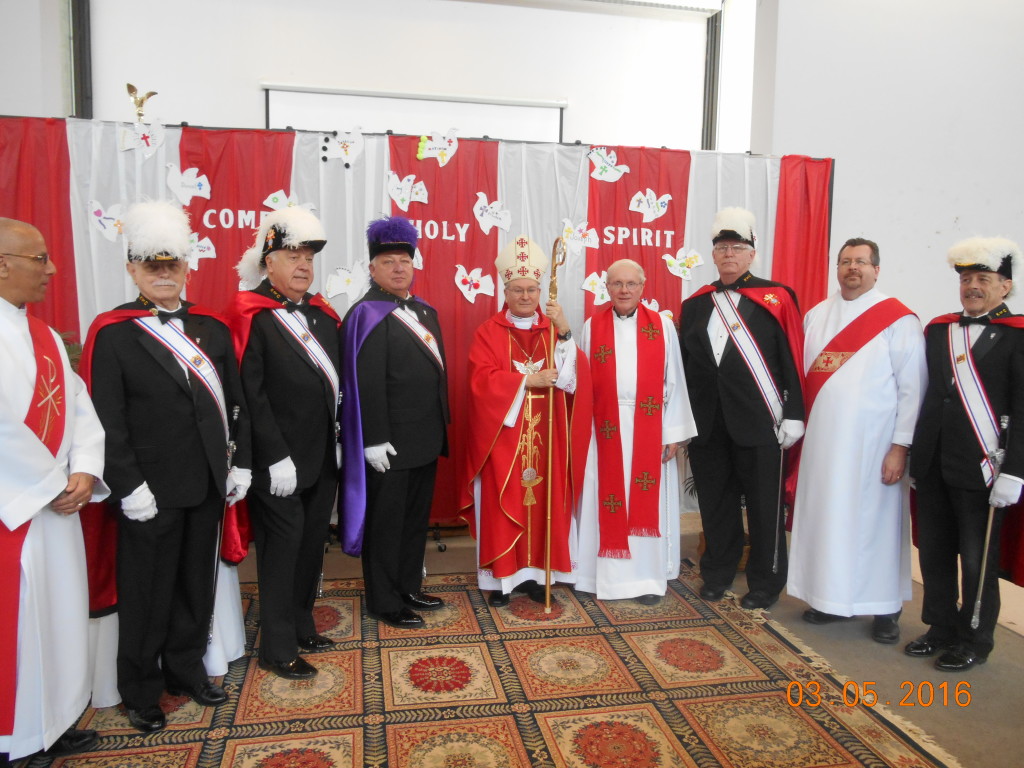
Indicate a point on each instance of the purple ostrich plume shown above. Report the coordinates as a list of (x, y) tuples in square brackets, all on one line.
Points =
[(392, 229)]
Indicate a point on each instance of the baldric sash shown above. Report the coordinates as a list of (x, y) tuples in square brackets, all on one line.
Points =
[(421, 332), (750, 352), (47, 418), (295, 328), (972, 394)]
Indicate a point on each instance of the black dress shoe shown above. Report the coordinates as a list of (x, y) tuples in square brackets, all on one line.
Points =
[(649, 599), (926, 646), (712, 594), (886, 628), (206, 693), (758, 598), (72, 740), (959, 659), (420, 601), (814, 616), (315, 643), (147, 719), (296, 669), (498, 599), (403, 618)]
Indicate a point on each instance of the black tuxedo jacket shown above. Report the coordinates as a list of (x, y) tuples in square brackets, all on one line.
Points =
[(403, 391), (292, 406), (730, 385), (163, 428), (943, 425)]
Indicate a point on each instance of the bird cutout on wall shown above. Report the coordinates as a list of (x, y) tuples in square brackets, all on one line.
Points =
[(406, 191), (343, 146), (107, 221), (279, 200), (652, 304), (490, 215), (472, 283), (146, 138), (595, 284), (417, 260), (139, 102), (649, 205), (606, 166), (577, 237), (441, 147), (199, 249), (188, 184), (350, 282), (682, 264)]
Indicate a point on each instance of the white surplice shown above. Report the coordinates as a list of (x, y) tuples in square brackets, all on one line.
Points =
[(653, 560), (850, 549), (53, 615)]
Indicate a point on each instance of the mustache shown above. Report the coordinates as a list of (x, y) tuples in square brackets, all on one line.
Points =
[(973, 294), (165, 284)]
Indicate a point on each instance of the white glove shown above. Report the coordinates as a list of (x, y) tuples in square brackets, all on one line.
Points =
[(283, 478), (1005, 491), (238, 484), (790, 430), (140, 505), (337, 454), (377, 456)]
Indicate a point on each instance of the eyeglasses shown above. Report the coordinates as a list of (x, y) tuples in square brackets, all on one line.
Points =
[(618, 285), (523, 291), (855, 263), (42, 258), (736, 248)]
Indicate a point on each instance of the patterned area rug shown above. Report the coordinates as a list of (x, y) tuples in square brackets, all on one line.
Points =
[(590, 685)]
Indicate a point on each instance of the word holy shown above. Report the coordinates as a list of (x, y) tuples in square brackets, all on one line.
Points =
[(660, 238), (431, 230)]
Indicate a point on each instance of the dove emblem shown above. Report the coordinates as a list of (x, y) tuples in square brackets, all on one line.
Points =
[(577, 237), (649, 205), (106, 221), (350, 282), (595, 284), (200, 249), (344, 146), (405, 191), (443, 148), (605, 165), (490, 215), (472, 283), (187, 185), (682, 264)]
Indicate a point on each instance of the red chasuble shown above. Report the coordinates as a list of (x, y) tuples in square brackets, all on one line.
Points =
[(46, 417), (619, 520), (513, 462)]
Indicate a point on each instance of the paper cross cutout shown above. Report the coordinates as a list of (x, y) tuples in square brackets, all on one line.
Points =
[(343, 146), (605, 167), (682, 264), (649, 205), (107, 221), (277, 201), (441, 147), (490, 215), (595, 283), (577, 237), (146, 138), (187, 185), (473, 283), (351, 282), (406, 191), (200, 249)]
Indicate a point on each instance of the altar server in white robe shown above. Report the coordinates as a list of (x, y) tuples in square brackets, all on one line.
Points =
[(865, 374), (53, 454), (641, 418)]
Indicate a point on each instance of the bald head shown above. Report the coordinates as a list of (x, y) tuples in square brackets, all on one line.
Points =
[(25, 268), (625, 283)]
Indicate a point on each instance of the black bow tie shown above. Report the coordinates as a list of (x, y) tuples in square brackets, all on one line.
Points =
[(409, 304), (179, 313), (983, 320), (291, 306), (731, 287)]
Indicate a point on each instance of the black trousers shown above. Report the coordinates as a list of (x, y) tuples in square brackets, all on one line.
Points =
[(165, 576), (722, 472), (397, 518), (951, 524), (290, 533)]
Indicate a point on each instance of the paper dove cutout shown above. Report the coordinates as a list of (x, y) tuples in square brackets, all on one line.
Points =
[(577, 237), (187, 185), (351, 282), (473, 283), (595, 283), (441, 147), (344, 146), (106, 221), (681, 265), (650, 205), (605, 168), (491, 214), (145, 138), (404, 191), (417, 260), (201, 249), (653, 306), (278, 200)]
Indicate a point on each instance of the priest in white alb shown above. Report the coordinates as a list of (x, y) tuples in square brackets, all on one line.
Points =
[(53, 456), (865, 380), (628, 518)]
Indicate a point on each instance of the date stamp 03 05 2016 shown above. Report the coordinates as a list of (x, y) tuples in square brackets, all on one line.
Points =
[(922, 694)]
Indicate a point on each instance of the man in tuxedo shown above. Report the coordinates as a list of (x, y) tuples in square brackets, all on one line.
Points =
[(741, 339), (967, 456), (396, 411), (287, 341), (165, 382)]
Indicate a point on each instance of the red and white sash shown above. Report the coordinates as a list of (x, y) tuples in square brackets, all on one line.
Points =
[(420, 331), (189, 354), (298, 330), (750, 352), (972, 393)]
